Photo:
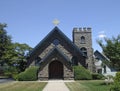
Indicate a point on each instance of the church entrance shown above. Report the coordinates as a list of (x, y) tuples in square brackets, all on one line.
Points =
[(56, 70)]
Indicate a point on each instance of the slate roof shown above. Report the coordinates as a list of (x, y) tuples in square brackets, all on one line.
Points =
[(57, 30), (100, 56), (55, 33)]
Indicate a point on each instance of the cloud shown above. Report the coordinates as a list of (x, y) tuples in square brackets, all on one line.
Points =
[(101, 34)]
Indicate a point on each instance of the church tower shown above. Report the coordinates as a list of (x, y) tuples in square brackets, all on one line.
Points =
[(82, 37)]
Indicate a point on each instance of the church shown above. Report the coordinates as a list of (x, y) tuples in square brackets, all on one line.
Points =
[(56, 54)]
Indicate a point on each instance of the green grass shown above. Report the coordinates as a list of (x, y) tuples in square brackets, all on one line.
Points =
[(88, 86), (22, 86)]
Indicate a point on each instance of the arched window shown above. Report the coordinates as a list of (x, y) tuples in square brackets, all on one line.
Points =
[(84, 50), (82, 40)]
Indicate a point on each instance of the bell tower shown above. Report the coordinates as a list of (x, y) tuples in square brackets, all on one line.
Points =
[(82, 38)]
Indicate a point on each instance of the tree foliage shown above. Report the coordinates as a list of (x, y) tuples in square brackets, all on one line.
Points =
[(12, 54), (111, 48), (5, 44), (20, 54), (116, 85)]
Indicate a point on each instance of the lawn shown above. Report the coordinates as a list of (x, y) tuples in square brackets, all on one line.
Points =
[(22, 86), (88, 86)]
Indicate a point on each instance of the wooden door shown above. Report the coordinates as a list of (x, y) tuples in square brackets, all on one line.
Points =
[(56, 70)]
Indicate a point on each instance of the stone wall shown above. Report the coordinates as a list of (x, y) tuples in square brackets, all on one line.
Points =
[(43, 73), (45, 52), (68, 54), (60, 47), (68, 74)]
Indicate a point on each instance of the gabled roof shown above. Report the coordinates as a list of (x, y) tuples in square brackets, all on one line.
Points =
[(57, 54), (100, 56), (103, 58), (55, 33)]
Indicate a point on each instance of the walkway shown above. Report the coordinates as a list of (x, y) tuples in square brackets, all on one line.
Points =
[(56, 85), (5, 80)]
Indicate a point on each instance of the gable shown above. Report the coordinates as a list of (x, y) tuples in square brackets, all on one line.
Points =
[(55, 54), (55, 34), (100, 56)]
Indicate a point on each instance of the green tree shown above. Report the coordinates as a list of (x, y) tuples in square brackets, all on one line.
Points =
[(12, 54), (111, 48), (5, 43), (20, 53)]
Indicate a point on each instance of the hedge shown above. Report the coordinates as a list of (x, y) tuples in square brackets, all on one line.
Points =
[(30, 74), (97, 76), (80, 73)]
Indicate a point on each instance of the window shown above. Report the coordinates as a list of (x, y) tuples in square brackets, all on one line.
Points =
[(84, 50), (55, 42), (82, 40)]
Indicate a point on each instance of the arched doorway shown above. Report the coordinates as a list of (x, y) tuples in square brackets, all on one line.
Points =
[(56, 70)]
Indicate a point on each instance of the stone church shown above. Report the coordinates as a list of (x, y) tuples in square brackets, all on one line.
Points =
[(56, 54)]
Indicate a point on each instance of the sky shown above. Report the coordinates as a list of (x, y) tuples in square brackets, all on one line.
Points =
[(29, 21)]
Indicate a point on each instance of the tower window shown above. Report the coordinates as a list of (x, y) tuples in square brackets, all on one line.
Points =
[(84, 50), (82, 40)]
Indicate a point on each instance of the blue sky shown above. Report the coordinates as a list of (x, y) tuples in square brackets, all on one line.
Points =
[(29, 21)]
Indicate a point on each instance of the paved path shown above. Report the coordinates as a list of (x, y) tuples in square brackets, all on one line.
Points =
[(5, 80), (56, 85)]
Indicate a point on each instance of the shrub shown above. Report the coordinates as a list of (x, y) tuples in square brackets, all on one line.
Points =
[(81, 73), (116, 85), (117, 77), (96, 76), (30, 74)]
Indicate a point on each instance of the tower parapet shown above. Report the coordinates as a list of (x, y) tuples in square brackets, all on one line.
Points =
[(84, 29)]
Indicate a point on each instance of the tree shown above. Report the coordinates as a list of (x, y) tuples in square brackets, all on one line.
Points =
[(111, 48), (20, 54), (5, 42), (12, 54)]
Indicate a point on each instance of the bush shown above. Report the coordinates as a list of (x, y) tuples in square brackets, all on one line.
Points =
[(117, 77), (96, 76), (116, 86), (30, 74), (81, 73)]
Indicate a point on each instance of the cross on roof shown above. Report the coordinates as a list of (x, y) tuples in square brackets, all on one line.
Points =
[(56, 22)]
